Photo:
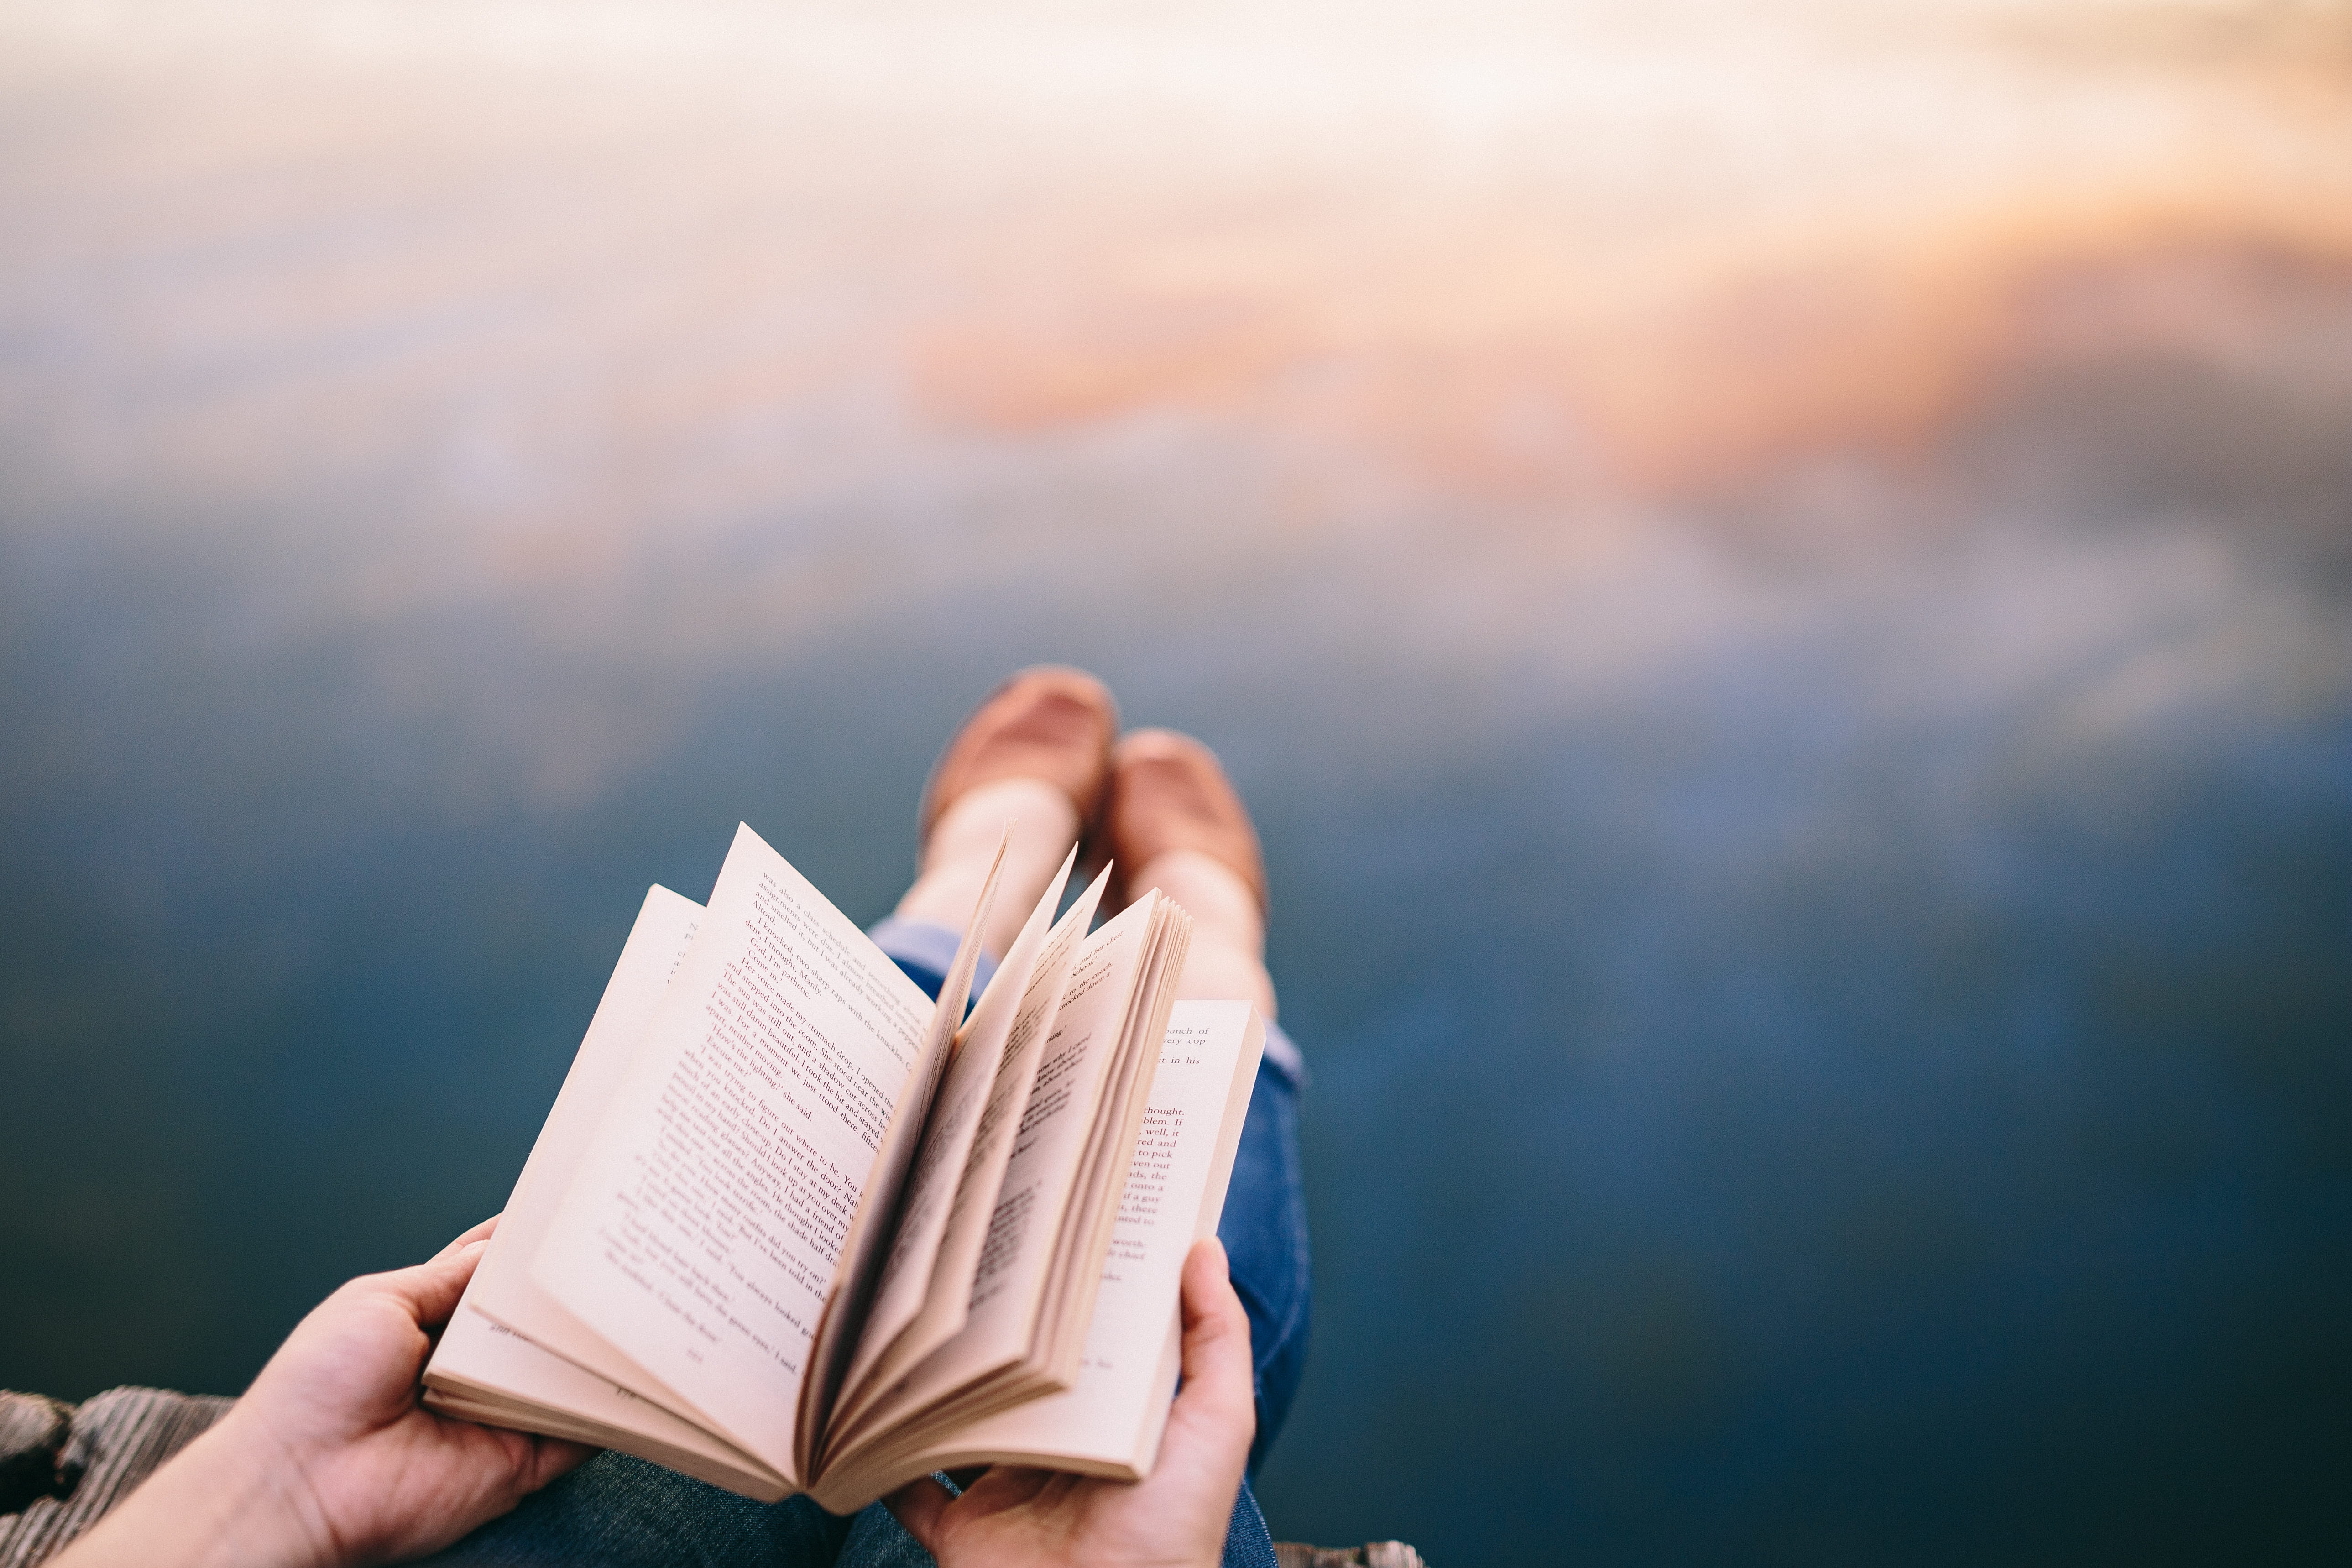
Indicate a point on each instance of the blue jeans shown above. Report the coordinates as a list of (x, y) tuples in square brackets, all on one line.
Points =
[(620, 1512)]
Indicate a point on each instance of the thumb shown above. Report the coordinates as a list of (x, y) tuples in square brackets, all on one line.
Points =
[(430, 1289), (1216, 1394), (918, 1505), (482, 1232)]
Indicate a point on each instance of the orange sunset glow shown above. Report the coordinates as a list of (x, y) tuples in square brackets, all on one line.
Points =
[(1497, 251), (1776, 576)]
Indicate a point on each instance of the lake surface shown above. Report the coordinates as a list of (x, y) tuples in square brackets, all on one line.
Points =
[(1780, 580)]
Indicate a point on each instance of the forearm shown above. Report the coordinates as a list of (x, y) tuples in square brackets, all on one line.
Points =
[(218, 1503)]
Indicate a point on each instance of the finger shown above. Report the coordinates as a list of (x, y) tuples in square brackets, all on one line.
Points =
[(1002, 1487), (482, 1232), (918, 1505), (552, 1457), (1216, 1329), (429, 1291), (1217, 1381)]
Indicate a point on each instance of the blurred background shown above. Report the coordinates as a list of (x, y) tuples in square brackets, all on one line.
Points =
[(1778, 574)]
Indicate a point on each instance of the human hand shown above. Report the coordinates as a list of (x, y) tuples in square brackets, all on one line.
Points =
[(1175, 1515), (329, 1459)]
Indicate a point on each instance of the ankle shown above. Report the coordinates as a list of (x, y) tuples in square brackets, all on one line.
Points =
[(1227, 960), (962, 844)]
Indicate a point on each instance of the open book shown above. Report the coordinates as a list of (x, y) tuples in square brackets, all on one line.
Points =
[(793, 1226)]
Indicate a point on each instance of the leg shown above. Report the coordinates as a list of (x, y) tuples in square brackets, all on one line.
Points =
[(1036, 755), (1045, 824), (1175, 818), (1173, 823), (618, 1512), (1264, 1228)]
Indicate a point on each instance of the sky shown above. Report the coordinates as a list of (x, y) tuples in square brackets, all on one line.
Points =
[(1775, 575)]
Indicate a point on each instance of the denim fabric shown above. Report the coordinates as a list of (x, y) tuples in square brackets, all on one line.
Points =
[(1264, 1228), (618, 1512), (615, 1512), (927, 952), (876, 1539)]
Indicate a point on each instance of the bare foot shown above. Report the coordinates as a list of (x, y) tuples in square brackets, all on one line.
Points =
[(1037, 755), (963, 844), (1175, 823)]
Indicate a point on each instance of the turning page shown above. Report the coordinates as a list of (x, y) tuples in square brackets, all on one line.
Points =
[(502, 1288), (1109, 1422), (487, 1365), (1090, 1071), (929, 1267), (703, 1229), (483, 1370)]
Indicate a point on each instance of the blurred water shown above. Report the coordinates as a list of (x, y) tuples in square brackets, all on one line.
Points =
[(1779, 579)]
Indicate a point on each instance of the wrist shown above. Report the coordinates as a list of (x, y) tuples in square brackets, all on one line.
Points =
[(233, 1499)]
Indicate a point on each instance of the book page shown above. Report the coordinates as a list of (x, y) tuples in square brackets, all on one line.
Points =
[(1049, 1140), (701, 1231), (502, 1288), (1109, 1422), (1055, 1129), (940, 1313), (484, 1372), (947, 1139), (1076, 1269), (849, 1299)]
